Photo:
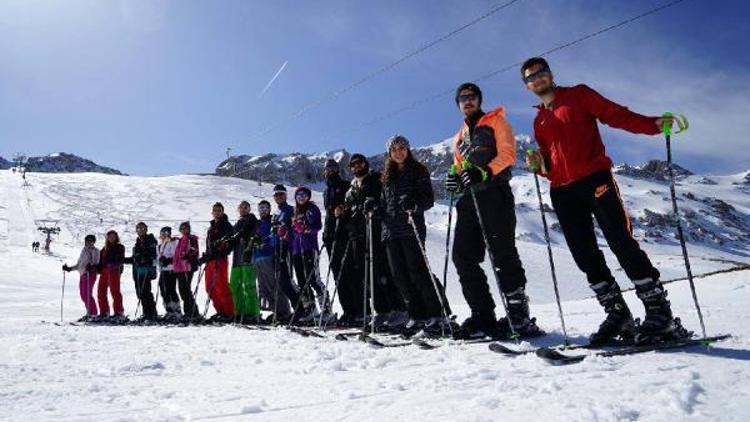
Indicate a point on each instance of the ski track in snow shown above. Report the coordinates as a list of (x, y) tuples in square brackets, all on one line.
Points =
[(70, 373)]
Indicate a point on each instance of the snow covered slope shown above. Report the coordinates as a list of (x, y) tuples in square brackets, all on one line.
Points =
[(157, 373)]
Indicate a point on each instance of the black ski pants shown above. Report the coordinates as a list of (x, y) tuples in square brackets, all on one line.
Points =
[(143, 292), (188, 303), (168, 289), (597, 195), (497, 207), (413, 279)]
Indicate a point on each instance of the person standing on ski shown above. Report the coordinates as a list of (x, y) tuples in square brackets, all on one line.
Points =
[(242, 280), (111, 258), (407, 190), (87, 264), (306, 223), (218, 248), (335, 237), (184, 265), (363, 200), (484, 150), (281, 223), (266, 269), (572, 156), (165, 255), (144, 269)]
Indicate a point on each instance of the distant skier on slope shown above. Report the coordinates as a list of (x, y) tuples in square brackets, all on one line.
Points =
[(484, 150), (573, 158)]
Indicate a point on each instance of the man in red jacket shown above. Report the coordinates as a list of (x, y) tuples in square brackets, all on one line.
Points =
[(572, 156)]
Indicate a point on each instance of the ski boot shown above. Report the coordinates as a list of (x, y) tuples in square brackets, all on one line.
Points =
[(397, 321), (619, 326), (659, 324), (380, 322), (518, 314), (437, 327), (476, 327)]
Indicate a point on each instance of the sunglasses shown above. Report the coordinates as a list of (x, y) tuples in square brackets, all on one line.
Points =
[(300, 195), (264, 208), (356, 163), (536, 75), (467, 97)]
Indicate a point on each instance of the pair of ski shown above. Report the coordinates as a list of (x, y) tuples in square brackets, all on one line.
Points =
[(555, 355)]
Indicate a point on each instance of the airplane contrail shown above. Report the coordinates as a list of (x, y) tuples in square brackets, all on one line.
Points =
[(268, 85)]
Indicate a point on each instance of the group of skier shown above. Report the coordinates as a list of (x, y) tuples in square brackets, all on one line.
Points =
[(374, 235)]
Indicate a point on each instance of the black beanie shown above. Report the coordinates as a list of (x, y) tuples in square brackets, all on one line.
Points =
[(471, 87)]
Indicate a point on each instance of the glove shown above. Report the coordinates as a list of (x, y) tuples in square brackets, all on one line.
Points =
[(66, 268), (90, 268), (299, 227), (164, 261), (281, 231), (370, 205), (407, 204), (535, 162), (203, 259), (471, 176), (452, 183)]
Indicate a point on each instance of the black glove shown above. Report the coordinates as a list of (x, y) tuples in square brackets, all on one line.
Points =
[(91, 268), (164, 261), (471, 176), (452, 183), (407, 204), (370, 205), (202, 260), (66, 268)]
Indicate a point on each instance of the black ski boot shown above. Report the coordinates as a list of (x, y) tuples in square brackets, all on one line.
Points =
[(619, 326), (475, 327), (659, 324), (518, 311)]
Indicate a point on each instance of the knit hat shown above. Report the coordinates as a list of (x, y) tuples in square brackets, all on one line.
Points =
[(90, 238), (304, 189), (279, 189), (331, 164), (396, 140), (471, 87)]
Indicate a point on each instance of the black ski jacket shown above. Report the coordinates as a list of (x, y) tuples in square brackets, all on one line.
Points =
[(333, 196), (244, 230), (221, 230), (354, 219), (413, 186)]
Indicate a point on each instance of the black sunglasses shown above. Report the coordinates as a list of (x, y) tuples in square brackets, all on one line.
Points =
[(536, 75), (467, 97)]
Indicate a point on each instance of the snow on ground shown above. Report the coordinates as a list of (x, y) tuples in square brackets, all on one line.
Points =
[(208, 373)]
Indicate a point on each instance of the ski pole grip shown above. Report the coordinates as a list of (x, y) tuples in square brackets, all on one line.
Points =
[(679, 119), (530, 153)]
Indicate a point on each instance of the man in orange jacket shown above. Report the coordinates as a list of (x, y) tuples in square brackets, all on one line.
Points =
[(484, 150), (582, 185)]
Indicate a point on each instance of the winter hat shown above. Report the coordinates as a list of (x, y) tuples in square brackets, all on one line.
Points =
[(166, 230), (359, 157), (396, 140), (279, 189), (90, 238), (304, 189), (331, 164), (471, 87)]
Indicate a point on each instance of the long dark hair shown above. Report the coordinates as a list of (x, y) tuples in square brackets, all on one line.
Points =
[(391, 167), (301, 210)]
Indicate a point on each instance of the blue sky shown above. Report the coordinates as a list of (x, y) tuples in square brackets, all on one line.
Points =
[(163, 87)]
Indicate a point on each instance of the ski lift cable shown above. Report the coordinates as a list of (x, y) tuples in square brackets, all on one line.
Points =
[(515, 65), (341, 91)]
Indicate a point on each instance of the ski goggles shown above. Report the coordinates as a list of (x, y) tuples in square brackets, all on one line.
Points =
[(301, 195), (536, 75), (264, 208), (467, 97)]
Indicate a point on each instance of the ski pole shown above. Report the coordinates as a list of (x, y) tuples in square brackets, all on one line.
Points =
[(62, 298), (371, 273), (304, 287), (682, 125), (276, 258), (328, 271), (195, 311), (430, 275), (529, 153), (211, 287), (514, 334), (337, 277), (158, 290), (452, 171)]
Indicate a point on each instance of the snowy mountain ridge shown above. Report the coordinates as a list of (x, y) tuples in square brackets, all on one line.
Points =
[(61, 162)]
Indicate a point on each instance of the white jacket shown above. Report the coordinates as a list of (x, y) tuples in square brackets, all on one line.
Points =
[(89, 256), (166, 250)]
